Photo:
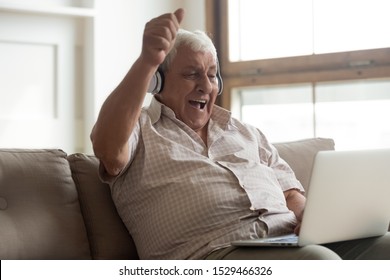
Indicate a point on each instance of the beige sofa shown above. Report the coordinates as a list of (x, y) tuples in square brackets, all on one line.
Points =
[(53, 206)]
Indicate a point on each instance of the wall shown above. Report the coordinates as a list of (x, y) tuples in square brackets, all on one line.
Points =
[(74, 54), (119, 27), (42, 102)]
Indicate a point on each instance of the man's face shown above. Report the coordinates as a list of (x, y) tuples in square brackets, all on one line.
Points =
[(191, 87)]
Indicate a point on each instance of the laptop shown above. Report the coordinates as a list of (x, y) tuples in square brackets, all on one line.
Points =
[(348, 198)]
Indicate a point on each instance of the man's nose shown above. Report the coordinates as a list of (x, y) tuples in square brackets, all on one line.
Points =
[(205, 85)]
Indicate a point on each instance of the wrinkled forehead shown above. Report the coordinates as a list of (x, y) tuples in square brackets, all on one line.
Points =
[(187, 57)]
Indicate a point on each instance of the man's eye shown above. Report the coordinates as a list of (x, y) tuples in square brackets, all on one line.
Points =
[(191, 75)]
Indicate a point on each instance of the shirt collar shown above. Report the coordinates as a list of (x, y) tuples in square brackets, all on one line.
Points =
[(154, 110)]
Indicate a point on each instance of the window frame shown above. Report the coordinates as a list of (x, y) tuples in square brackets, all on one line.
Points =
[(350, 65)]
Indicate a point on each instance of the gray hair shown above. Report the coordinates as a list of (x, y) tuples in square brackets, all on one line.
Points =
[(197, 41)]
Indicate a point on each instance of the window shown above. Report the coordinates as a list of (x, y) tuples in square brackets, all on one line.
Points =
[(261, 29), (354, 113), (277, 110), (306, 68), (257, 33)]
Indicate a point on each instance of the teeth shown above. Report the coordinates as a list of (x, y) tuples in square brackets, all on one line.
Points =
[(200, 101)]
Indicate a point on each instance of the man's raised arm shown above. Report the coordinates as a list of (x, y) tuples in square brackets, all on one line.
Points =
[(121, 110)]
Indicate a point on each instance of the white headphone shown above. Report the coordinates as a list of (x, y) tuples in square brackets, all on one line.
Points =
[(157, 82)]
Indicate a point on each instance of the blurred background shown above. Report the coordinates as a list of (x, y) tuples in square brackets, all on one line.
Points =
[(295, 69)]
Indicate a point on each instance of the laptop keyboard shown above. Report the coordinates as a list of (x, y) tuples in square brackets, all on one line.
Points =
[(292, 238)]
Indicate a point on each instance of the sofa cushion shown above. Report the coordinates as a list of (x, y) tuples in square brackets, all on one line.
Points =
[(300, 155), (108, 237), (40, 215)]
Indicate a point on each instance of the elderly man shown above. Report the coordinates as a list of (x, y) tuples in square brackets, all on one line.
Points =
[(186, 178)]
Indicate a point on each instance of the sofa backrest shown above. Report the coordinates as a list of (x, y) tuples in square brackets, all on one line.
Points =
[(108, 236), (40, 215), (300, 155)]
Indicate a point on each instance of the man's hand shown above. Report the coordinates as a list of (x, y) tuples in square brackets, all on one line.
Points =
[(159, 37), (296, 203), (297, 228)]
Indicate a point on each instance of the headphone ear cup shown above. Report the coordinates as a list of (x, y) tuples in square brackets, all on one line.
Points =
[(219, 79), (220, 83), (156, 84)]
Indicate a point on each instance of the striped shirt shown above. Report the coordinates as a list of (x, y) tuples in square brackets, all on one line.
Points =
[(182, 199)]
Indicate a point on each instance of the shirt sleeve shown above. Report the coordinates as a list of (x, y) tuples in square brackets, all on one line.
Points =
[(269, 155), (133, 143)]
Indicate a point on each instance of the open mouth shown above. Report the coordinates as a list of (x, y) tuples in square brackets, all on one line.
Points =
[(198, 103)]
